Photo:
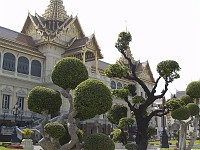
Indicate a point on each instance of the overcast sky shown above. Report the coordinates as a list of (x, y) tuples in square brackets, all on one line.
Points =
[(161, 29)]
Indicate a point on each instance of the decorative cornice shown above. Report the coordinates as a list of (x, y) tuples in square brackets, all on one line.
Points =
[(21, 93), (20, 48), (6, 90)]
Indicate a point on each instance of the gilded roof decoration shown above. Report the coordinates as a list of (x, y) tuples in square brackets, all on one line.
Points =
[(55, 11), (57, 28), (87, 43)]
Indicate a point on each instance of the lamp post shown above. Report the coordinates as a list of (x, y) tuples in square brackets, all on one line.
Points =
[(164, 136), (4, 116), (16, 111)]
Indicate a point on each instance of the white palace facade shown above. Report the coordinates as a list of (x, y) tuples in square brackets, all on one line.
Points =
[(28, 57)]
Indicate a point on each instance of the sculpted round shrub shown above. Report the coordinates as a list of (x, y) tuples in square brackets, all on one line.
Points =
[(131, 146), (168, 70), (193, 108), (44, 99), (193, 89), (117, 112), (138, 99), (69, 72), (181, 113), (116, 70), (186, 99), (174, 104), (55, 130), (98, 141), (92, 97), (121, 93), (132, 89)]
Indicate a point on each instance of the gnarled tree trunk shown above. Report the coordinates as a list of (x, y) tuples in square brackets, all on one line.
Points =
[(141, 136), (182, 135), (194, 135), (48, 143)]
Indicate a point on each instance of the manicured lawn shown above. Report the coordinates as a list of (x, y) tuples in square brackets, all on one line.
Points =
[(3, 148), (173, 142)]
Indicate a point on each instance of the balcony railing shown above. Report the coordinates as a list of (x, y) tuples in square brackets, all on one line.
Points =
[(7, 114)]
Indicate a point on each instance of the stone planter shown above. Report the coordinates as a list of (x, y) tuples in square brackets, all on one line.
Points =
[(119, 146), (27, 144)]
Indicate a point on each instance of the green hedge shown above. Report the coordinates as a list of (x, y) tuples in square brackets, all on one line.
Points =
[(131, 146), (98, 141)]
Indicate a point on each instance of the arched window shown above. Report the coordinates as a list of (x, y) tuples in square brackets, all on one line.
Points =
[(119, 85), (9, 62), (36, 68), (113, 85), (23, 65)]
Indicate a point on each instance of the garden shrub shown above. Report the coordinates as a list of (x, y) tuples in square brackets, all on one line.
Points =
[(98, 141), (55, 130), (181, 113), (91, 97), (186, 99), (193, 108), (116, 70), (44, 99), (131, 146), (5, 144), (193, 89), (118, 136), (69, 72), (117, 112), (138, 100)]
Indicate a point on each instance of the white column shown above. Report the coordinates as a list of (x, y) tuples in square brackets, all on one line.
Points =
[(96, 62)]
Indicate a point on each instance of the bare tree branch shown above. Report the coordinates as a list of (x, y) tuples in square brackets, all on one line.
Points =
[(158, 112), (133, 70), (164, 91), (155, 86)]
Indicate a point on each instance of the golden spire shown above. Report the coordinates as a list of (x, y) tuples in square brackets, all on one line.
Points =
[(55, 11)]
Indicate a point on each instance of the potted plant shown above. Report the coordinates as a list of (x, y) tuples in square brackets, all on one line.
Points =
[(27, 143), (27, 133)]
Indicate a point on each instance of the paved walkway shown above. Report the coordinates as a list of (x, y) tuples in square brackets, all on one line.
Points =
[(37, 147)]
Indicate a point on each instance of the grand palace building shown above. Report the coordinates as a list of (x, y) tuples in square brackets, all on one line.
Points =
[(28, 57)]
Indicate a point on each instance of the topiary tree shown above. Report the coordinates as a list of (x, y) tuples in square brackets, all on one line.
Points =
[(186, 110), (55, 130), (167, 70), (42, 99), (68, 73), (92, 94), (91, 97), (98, 141), (114, 115), (116, 112), (193, 90)]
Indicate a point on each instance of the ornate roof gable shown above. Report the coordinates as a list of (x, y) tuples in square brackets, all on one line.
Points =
[(86, 43), (54, 24), (144, 72), (123, 61)]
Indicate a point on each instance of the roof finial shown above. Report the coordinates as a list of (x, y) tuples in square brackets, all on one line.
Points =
[(126, 25), (55, 11)]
